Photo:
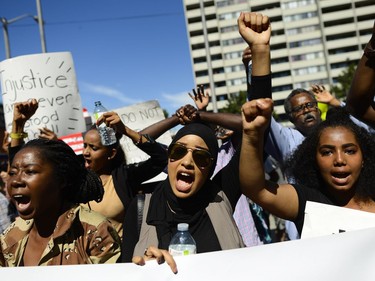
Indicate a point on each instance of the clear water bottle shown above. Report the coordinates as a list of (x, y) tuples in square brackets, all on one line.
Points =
[(107, 134), (182, 242)]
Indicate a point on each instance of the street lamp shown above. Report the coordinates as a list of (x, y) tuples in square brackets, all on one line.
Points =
[(5, 24), (38, 19)]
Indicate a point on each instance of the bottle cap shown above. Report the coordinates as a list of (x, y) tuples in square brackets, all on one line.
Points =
[(183, 227)]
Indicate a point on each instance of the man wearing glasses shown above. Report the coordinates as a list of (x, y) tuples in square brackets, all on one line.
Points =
[(302, 109)]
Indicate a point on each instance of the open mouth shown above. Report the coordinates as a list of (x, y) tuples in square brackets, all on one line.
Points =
[(21, 201), (184, 182), (87, 164), (340, 178), (309, 119)]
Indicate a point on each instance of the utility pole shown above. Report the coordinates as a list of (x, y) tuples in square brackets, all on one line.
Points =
[(41, 26), (39, 19), (5, 24)]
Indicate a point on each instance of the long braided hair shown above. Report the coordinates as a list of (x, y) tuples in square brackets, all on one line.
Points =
[(81, 184)]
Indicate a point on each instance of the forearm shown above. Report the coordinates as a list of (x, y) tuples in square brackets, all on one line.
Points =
[(17, 135), (252, 177), (261, 85), (361, 94), (227, 120), (159, 128), (335, 103), (261, 59)]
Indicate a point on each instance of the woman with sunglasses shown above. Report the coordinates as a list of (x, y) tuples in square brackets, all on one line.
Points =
[(188, 195)]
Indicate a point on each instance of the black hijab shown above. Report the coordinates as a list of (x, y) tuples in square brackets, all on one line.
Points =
[(166, 210)]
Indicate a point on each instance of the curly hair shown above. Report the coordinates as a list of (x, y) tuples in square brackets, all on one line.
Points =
[(81, 184), (303, 166)]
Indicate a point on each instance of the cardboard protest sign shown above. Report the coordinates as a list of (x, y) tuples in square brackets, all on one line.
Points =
[(138, 117), (49, 78)]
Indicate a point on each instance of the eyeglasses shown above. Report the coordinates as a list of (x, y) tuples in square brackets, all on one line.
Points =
[(309, 105), (201, 157)]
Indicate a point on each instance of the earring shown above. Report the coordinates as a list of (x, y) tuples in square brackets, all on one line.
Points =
[(109, 158)]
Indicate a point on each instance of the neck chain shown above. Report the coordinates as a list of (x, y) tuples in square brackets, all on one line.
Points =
[(171, 208)]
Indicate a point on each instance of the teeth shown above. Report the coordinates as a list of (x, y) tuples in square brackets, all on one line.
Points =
[(185, 174), (18, 196)]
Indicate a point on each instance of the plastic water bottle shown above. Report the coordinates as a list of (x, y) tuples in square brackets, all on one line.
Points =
[(107, 134), (182, 242)]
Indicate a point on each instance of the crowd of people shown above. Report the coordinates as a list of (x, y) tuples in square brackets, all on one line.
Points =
[(58, 208)]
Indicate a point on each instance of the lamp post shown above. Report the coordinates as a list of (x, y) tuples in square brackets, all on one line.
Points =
[(5, 24), (38, 19), (41, 26)]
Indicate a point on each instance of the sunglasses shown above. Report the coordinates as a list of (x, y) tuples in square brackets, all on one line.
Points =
[(202, 158), (309, 105)]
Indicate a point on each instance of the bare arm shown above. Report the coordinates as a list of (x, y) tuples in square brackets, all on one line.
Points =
[(324, 96), (256, 115), (280, 200), (227, 120), (361, 94), (255, 29), (181, 117)]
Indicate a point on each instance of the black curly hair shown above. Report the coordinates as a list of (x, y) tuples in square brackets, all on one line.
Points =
[(303, 166), (82, 185)]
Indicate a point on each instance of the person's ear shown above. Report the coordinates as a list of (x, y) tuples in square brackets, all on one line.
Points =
[(112, 153)]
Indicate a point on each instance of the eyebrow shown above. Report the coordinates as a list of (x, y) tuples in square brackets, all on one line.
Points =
[(333, 146)]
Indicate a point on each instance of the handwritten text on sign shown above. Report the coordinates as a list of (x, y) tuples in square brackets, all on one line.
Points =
[(49, 78), (138, 117)]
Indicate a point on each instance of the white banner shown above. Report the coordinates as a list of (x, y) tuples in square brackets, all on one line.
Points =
[(49, 78), (345, 256), (323, 219)]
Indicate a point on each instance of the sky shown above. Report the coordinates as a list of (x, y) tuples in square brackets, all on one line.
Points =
[(124, 51)]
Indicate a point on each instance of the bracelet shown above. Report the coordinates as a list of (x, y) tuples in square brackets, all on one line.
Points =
[(18, 136), (139, 141)]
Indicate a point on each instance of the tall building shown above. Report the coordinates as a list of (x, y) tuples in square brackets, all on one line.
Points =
[(312, 42)]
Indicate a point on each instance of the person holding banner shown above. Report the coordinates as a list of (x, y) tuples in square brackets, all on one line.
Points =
[(189, 195), (121, 182)]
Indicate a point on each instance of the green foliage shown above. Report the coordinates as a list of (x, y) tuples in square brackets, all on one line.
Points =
[(165, 112), (344, 81), (235, 103)]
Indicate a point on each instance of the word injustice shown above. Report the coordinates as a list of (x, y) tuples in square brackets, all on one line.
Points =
[(32, 81)]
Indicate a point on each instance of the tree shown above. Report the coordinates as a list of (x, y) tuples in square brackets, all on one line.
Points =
[(165, 112), (344, 80), (235, 102)]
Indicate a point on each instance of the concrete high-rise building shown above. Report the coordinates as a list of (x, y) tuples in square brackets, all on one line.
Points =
[(312, 42)]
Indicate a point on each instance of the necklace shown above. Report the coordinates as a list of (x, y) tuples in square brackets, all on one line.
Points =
[(171, 208)]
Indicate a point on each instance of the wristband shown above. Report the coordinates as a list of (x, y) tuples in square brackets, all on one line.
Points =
[(18, 136)]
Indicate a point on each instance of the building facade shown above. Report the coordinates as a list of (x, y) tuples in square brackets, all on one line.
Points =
[(312, 42)]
